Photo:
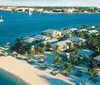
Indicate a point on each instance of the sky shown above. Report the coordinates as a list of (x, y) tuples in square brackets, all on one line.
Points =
[(51, 2)]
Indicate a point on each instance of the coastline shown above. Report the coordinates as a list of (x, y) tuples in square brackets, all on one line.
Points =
[(29, 73), (10, 78), (21, 69), (51, 13), (41, 22), (33, 75)]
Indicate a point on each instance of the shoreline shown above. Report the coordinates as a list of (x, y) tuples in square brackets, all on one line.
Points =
[(10, 78), (50, 13), (29, 73), (33, 75), (21, 69)]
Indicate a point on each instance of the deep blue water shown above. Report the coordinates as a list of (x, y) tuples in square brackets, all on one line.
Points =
[(21, 24)]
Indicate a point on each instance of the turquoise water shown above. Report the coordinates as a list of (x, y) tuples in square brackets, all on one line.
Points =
[(21, 24), (7, 78)]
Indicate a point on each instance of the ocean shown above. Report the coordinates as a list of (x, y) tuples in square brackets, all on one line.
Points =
[(7, 78), (17, 25)]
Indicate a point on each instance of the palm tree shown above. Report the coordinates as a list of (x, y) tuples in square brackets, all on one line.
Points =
[(93, 43), (58, 60), (69, 46), (38, 50), (20, 46), (66, 35), (93, 72), (73, 58), (48, 46), (81, 34), (56, 48), (29, 56), (98, 27), (93, 63), (67, 68)]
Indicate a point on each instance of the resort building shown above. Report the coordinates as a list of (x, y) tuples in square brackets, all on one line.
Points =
[(42, 37), (63, 45), (84, 30), (77, 39), (97, 58), (51, 41), (52, 33), (93, 32), (66, 31), (74, 29), (29, 39), (85, 52), (69, 10)]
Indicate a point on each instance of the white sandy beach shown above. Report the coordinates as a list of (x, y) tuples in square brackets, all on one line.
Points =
[(29, 73), (35, 76)]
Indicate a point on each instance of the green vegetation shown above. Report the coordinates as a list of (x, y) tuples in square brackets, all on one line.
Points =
[(93, 72), (67, 68), (21, 47), (65, 63), (58, 60)]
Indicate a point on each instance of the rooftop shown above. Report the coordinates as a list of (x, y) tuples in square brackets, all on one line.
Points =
[(74, 29), (93, 31), (85, 52), (85, 30), (42, 37), (51, 40), (97, 57), (51, 31), (30, 39), (62, 42), (77, 39)]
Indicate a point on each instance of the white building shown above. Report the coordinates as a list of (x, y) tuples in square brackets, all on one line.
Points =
[(62, 44), (83, 30), (69, 10), (85, 52), (29, 39), (77, 39), (97, 58), (74, 29), (53, 33), (42, 37), (93, 32), (51, 41), (67, 31)]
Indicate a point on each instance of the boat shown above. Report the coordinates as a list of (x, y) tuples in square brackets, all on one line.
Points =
[(30, 13), (1, 20)]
